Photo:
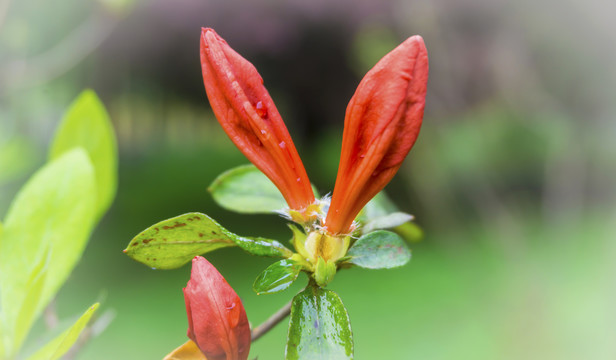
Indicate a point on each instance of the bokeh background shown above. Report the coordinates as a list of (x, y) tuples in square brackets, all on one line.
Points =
[(512, 177)]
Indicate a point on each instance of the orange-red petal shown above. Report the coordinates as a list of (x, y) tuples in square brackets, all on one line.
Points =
[(381, 125), (248, 115)]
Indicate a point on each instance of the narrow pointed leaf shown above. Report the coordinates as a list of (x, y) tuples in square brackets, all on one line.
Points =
[(277, 277), (86, 124), (172, 243), (319, 328), (32, 292), (379, 250), (387, 221), (61, 344), (52, 214)]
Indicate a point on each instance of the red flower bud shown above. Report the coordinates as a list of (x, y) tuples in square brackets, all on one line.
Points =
[(381, 125), (217, 321), (248, 115)]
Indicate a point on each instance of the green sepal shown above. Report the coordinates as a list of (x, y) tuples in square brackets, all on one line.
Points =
[(379, 250), (298, 240), (319, 327), (277, 277), (172, 243), (324, 272), (62, 343)]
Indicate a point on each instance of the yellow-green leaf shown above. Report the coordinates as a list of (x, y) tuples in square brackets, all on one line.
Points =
[(172, 243), (86, 124), (63, 342), (50, 218)]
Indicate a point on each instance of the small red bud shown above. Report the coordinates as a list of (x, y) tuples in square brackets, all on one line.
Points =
[(217, 321)]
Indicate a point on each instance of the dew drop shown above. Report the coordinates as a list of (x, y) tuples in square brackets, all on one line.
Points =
[(263, 132), (362, 156), (261, 110), (233, 315), (282, 145), (298, 179)]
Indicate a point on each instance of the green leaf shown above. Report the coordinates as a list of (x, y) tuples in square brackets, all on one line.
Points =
[(386, 221), (32, 292), (63, 342), (277, 277), (245, 189), (379, 250), (51, 217), (172, 243), (319, 327), (261, 247), (86, 124)]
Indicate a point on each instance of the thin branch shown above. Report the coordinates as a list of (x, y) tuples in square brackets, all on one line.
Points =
[(273, 320)]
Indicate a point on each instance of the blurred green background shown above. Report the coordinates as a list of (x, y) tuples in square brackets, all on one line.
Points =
[(512, 177)]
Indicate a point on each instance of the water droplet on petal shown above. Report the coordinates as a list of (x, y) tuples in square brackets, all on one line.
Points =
[(261, 110), (298, 179), (233, 315), (263, 132), (282, 145)]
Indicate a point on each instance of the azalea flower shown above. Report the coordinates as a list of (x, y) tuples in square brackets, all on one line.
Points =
[(382, 123)]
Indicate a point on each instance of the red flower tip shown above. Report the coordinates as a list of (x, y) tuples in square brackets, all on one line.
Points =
[(381, 125), (248, 115), (217, 321)]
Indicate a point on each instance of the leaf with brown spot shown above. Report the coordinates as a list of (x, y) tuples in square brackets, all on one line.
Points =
[(174, 242)]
